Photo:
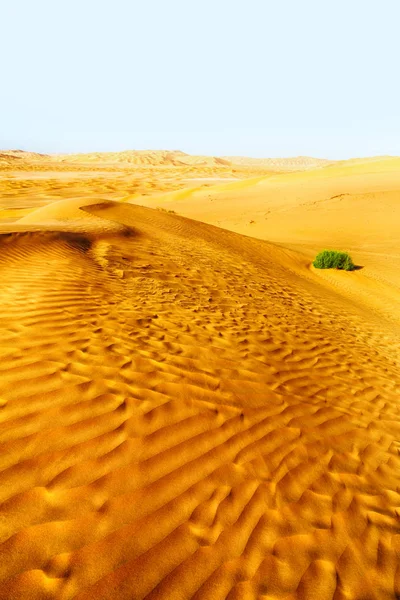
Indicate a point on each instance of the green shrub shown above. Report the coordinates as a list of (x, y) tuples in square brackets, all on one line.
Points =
[(332, 259)]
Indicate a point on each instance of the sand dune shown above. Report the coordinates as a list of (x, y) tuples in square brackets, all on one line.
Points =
[(143, 158), (189, 413), (29, 180), (21, 155), (296, 163), (352, 205)]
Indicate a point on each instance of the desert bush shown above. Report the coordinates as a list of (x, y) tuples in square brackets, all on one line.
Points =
[(332, 259), (173, 212)]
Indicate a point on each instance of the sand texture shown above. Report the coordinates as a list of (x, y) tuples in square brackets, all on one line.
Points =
[(351, 205), (187, 412), (29, 180)]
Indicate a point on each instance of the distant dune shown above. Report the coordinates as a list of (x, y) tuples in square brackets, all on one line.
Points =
[(168, 158), (130, 157), (297, 163), (12, 157), (190, 413), (143, 158)]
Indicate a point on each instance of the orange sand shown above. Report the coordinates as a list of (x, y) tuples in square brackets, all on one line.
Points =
[(190, 413)]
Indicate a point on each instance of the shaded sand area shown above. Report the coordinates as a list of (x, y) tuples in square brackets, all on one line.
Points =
[(190, 413)]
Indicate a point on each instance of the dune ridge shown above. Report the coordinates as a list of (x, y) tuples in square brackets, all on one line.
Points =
[(350, 205), (296, 163), (30, 180), (187, 412), (163, 158)]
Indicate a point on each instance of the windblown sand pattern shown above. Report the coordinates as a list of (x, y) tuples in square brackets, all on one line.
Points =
[(188, 413), (29, 180)]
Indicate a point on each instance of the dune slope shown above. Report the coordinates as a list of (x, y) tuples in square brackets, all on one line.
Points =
[(352, 205), (189, 413)]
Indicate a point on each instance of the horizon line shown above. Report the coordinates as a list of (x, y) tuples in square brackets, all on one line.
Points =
[(3, 150)]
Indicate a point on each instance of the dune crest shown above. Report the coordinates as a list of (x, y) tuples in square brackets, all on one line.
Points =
[(164, 158), (189, 413)]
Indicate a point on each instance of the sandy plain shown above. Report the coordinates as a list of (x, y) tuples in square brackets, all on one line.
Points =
[(189, 410)]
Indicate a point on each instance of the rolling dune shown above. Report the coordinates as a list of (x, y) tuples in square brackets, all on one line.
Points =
[(350, 205), (297, 163), (29, 180), (190, 413)]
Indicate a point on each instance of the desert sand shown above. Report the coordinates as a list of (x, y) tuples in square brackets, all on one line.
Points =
[(188, 409)]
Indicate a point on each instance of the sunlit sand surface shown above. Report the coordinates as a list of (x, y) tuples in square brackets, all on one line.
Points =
[(29, 180), (187, 412)]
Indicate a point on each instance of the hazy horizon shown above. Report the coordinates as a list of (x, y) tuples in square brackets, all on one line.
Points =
[(264, 80), (207, 154)]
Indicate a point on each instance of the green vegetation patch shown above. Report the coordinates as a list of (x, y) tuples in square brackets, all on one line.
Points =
[(332, 259)]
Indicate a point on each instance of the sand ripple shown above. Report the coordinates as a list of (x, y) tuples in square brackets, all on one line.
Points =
[(186, 413)]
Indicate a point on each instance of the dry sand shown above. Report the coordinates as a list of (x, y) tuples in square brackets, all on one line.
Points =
[(29, 180), (190, 413)]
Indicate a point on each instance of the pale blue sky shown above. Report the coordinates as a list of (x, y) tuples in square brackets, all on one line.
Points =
[(249, 77)]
